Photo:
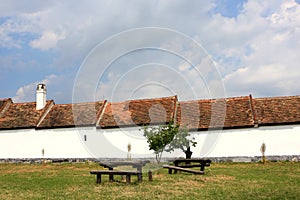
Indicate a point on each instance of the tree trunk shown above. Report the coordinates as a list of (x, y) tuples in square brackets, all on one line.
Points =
[(188, 153)]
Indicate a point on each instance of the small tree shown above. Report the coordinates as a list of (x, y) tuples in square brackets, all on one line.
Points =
[(158, 137), (167, 138), (181, 141)]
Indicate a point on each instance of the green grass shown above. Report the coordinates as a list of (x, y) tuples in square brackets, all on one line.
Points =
[(279, 180)]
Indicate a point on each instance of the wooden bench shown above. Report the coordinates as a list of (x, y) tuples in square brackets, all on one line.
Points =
[(114, 172), (202, 166), (171, 167)]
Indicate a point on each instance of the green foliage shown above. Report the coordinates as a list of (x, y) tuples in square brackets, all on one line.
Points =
[(158, 137), (167, 138), (181, 141)]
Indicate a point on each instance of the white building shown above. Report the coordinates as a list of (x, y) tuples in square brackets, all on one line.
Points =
[(222, 127)]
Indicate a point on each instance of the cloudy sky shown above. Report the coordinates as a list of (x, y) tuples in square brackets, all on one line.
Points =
[(120, 50)]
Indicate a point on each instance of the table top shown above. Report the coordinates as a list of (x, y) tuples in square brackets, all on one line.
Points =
[(132, 163), (192, 160)]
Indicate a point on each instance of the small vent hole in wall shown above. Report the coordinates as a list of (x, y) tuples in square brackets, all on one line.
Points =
[(85, 138)]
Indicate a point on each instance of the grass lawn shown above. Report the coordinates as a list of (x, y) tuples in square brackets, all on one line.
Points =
[(280, 180)]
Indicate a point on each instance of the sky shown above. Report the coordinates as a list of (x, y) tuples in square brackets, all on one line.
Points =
[(130, 49)]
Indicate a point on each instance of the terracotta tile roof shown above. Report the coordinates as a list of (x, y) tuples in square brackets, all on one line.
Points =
[(139, 112), (277, 110), (196, 115), (70, 115), (215, 113), (238, 113), (22, 115)]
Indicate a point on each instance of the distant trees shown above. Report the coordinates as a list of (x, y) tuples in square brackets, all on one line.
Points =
[(168, 138)]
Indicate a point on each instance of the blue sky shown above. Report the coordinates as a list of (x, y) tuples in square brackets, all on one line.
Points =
[(253, 46)]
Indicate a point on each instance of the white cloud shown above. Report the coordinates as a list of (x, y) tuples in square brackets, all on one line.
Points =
[(262, 58), (15, 27), (267, 79), (47, 41), (59, 88), (287, 15), (255, 52), (27, 92), (16, 7)]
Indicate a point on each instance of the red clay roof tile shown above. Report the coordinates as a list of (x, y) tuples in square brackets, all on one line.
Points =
[(139, 112), (196, 115), (215, 113), (22, 115), (277, 110), (66, 115)]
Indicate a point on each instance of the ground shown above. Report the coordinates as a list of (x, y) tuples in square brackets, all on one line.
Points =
[(274, 180)]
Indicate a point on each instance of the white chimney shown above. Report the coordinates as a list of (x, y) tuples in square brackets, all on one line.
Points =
[(41, 92)]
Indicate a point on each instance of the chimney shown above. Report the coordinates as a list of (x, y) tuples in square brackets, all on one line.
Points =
[(41, 92)]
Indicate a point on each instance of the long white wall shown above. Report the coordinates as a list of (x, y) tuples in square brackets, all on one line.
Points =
[(89, 142), (279, 140), (57, 143)]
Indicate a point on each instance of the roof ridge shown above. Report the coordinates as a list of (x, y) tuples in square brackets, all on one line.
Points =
[(277, 97), (5, 99), (149, 99), (145, 99), (81, 103), (175, 109), (100, 113), (215, 99), (253, 111), (7, 103)]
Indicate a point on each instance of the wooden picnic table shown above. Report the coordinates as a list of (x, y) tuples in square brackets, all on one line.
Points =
[(134, 164), (181, 164), (189, 163)]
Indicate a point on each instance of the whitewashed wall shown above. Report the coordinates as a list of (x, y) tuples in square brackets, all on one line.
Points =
[(28, 143), (279, 140), (112, 143)]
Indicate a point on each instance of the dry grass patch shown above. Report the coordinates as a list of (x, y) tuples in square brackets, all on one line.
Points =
[(218, 178)]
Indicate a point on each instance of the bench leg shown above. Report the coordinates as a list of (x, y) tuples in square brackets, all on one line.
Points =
[(170, 171), (140, 177), (111, 177), (98, 178), (175, 170), (150, 177), (127, 178), (202, 167)]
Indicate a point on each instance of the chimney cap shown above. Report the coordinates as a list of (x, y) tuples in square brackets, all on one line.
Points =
[(41, 86), (41, 96)]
